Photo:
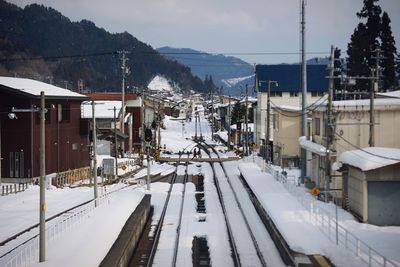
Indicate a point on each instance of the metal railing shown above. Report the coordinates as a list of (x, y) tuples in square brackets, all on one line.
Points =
[(328, 224), (28, 252)]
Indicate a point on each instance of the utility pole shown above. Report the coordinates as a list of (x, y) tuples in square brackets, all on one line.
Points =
[(125, 71), (94, 155), (374, 89), (268, 121), (148, 166), (159, 126), (115, 141), (212, 114), (42, 208), (329, 125), (229, 124), (247, 121), (143, 119), (42, 169), (130, 145), (304, 91)]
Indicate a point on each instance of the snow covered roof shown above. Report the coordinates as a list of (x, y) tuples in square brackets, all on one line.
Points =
[(311, 146), (102, 109), (394, 94), (379, 103), (33, 88), (371, 158)]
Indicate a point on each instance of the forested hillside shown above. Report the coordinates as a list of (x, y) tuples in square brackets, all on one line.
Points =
[(39, 42)]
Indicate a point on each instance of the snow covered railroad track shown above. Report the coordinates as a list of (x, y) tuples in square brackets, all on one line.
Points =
[(246, 252), (148, 244)]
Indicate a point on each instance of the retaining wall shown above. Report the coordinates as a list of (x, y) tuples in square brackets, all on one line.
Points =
[(123, 248)]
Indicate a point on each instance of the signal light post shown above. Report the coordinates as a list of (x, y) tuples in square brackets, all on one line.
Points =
[(148, 136)]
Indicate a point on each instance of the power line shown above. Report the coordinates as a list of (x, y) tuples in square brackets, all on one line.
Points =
[(365, 151), (107, 53), (309, 109)]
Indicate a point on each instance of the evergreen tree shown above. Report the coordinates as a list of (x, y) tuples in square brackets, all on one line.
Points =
[(238, 112), (398, 67), (371, 12), (357, 64), (338, 71), (388, 52)]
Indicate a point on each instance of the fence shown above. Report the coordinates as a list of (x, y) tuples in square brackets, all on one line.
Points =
[(13, 188), (28, 252), (328, 224), (71, 176)]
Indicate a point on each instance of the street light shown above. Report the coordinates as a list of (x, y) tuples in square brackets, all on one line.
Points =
[(42, 202)]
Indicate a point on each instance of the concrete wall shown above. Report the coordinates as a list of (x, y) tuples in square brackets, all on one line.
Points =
[(123, 248), (386, 130), (287, 133), (284, 100)]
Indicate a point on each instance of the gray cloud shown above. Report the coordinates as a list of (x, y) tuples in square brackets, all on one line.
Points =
[(226, 25)]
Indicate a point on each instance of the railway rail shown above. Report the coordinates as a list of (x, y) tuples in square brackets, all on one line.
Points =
[(147, 257), (235, 254)]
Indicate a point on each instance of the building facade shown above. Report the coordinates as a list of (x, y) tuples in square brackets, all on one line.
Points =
[(66, 135)]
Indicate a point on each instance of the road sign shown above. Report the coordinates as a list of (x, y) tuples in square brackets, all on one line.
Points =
[(123, 167), (315, 191)]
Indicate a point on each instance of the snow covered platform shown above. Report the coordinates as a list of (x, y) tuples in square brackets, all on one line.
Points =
[(293, 222)]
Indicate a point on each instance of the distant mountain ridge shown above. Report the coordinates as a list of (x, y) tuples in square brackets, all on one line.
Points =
[(203, 64), (39, 42)]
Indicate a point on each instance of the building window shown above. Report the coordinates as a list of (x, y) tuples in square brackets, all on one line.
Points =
[(314, 94), (64, 112), (294, 94), (276, 94), (11, 164), (275, 121), (317, 126)]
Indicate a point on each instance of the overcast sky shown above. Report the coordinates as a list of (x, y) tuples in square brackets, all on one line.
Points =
[(228, 26)]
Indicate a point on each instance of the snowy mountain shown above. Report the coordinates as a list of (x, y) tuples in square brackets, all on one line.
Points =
[(225, 70)]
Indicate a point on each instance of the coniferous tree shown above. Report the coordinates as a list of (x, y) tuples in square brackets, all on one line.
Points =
[(398, 67), (371, 36), (357, 64), (338, 71), (388, 52), (371, 12)]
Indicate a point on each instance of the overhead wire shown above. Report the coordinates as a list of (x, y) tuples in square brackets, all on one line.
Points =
[(365, 151), (309, 109), (107, 53)]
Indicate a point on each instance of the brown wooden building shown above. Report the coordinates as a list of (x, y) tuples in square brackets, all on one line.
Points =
[(133, 106), (66, 134)]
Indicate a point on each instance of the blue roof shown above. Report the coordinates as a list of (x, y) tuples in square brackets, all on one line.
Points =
[(288, 78)]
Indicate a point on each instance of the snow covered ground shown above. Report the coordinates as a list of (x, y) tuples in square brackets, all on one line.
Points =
[(88, 240)]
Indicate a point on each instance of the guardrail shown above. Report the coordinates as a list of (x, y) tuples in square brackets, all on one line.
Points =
[(328, 224), (28, 252)]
